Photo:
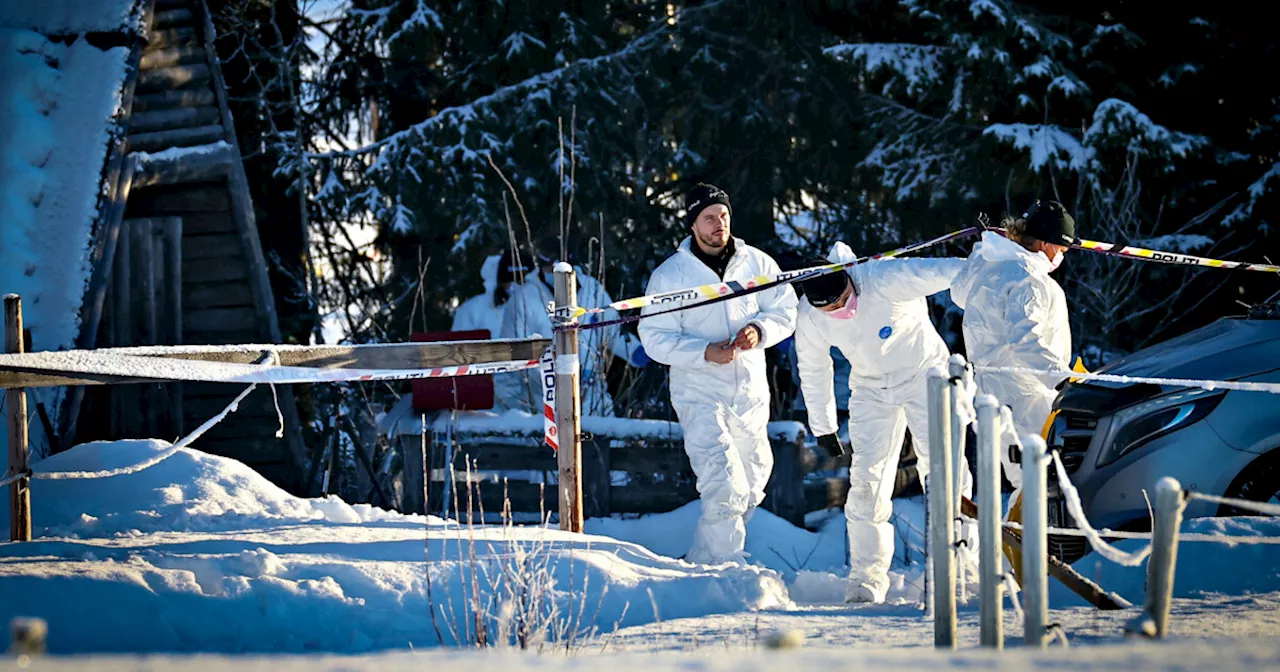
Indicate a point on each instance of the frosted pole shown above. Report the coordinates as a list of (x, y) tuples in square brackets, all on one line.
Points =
[(941, 510), (568, 404), (961, 377), (1035, 543), (990, 579), (1164, 552)]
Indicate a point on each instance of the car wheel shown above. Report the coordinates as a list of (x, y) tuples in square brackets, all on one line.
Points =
[(1259, 482)]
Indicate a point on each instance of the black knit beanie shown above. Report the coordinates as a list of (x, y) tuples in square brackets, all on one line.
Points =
[(702, 197)]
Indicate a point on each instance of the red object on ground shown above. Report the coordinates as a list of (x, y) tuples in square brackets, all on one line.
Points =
[(460, 393)]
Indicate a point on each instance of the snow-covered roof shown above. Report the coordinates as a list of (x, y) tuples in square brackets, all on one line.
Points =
[(57, 102), (72, 17)]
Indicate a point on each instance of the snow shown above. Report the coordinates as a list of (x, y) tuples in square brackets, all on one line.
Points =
[(920, 65), (212, 557), (72, 17), (403, 421), (1116, 118), (57, 103), (987, 7), (177, 153), (1045, 143), (198, 553)]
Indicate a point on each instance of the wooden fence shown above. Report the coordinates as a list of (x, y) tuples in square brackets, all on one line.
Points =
[(628, 466)]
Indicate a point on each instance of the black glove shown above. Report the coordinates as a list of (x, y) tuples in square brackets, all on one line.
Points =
[(833, 445), (1015, 454)]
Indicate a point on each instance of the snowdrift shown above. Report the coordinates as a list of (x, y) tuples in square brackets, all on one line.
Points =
[(198, 553)]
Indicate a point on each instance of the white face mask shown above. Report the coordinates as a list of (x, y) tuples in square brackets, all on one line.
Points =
[(1057, 261)]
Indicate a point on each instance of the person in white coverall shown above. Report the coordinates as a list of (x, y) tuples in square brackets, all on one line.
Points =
[(1015, 315), (484, 311), (526, 314), (716, 353), (876, 314)]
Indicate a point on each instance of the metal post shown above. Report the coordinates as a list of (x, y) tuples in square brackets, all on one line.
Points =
[(941, 510), (16, 415), (1164, 552), (568, 404), (990, 579), (1035, 542), (960, 373)]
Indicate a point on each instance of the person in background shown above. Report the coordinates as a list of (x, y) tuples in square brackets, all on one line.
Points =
[(525, 315), (1015, 316), (876, 314), (719, 386), (484, 311)]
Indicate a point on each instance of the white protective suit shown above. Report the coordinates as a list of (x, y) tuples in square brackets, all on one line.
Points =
[(1015, 315), (478, 312), (526, 314), (891, 344), (723, 408)]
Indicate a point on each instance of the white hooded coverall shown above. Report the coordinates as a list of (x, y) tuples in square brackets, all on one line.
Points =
[(723, 408), (891, 344), (478, 312), (526, 314), (1015, 316)]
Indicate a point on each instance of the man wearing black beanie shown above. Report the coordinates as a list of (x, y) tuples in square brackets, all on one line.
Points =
[(719, 388)]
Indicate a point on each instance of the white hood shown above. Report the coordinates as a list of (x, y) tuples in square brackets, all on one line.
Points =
[(489, 272), (995, 249)]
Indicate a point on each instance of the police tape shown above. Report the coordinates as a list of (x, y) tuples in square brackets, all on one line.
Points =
[(143, 367), (1123, 249), (1210, 385), (547, 372), (707, 294)]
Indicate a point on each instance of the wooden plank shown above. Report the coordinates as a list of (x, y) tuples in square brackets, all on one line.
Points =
[(216, 338), (177, 137), (174, 77), (122, 284), (216, 245), (180, 200), (380, 356), (218, 319), (143, 291), (251, 451), (163, 57), (16, 419), (172, 331), (647, 499), (164, 100), (210, 164), (217, 269), (651, 458), (217, 295), (489, 456), (177, 117), (169, 37), (173, 17), (203, 223)]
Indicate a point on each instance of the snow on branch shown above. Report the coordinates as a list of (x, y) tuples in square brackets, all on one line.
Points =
[(462, 114), (1045, 143), (919, 65), (1116, 120)]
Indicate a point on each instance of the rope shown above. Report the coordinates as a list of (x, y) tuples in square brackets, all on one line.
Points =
[(1272, 388), (161, 369), (1099, 544), (1193, 536), (156, 459), (735, 290), (14, 478), (1260, 507)]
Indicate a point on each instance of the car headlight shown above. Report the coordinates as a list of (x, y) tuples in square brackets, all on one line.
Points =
[(1142, 423)]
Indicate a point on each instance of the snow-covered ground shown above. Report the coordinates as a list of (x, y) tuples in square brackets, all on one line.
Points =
[(199, 554)]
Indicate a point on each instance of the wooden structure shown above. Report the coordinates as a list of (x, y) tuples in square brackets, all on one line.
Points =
[(177, 257), (16, 426)]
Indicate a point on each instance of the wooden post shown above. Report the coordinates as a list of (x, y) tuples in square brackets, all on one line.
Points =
[(16, 411), (568, 405), (144, 314)]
